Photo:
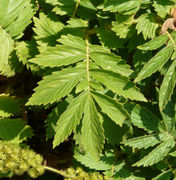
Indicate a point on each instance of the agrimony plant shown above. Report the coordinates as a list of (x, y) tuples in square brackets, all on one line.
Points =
[(87, 54)]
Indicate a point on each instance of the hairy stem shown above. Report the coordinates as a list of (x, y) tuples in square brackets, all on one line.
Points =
[(59, 172)]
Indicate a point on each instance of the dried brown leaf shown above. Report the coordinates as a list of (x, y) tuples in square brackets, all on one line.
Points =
[(170, 23)]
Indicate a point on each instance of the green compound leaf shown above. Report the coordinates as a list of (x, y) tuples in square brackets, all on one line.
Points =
[(8, 106), (92, 131), (111, 107), (123, 6), (163, 7), (47, 29), (155, 63), (145, 119), (6, 46), (157, 154), (123, 25), (118, 84), (154, 43), (46, 25), (146, 141), (15, 16), (147, 25), (69, 119), (167, 86), (55, 86)]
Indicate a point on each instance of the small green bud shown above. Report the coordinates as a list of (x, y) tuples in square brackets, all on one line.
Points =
[(24, 166), (10, 165), (40, 169), (78, 170), (39, 159), (33, 173), (30, 154), (17, 150), (15, 158), (100, 177), (82, 174), (18, 160), (24, 154), (106, 178), (9, 150), (1, 166), (70, 171), (32, 162), (18, 171), (3, 156)]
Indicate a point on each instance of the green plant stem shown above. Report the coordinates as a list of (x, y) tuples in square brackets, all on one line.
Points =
[(76, 8), (170, 37), (58, 172), (87, 61), (170, 167), (90, 32)]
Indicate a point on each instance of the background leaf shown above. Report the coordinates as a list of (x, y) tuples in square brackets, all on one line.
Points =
[(157, 154), (167, 86), (146, 141), (154, 43), (155, 63), (13, 129), (8, 106), (143, 118)]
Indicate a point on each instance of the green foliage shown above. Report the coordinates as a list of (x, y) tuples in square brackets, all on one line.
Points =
[(164, 138), (124, 7), (164, 175), (62, 82), (163, 7), (167, 86), (147, 25), (157, 154), (8, 106), (155, 63), (103, 76), (15, 16)]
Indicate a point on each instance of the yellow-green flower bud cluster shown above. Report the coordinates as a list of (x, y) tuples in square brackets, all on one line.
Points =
[(80, 174), (20, 160)]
